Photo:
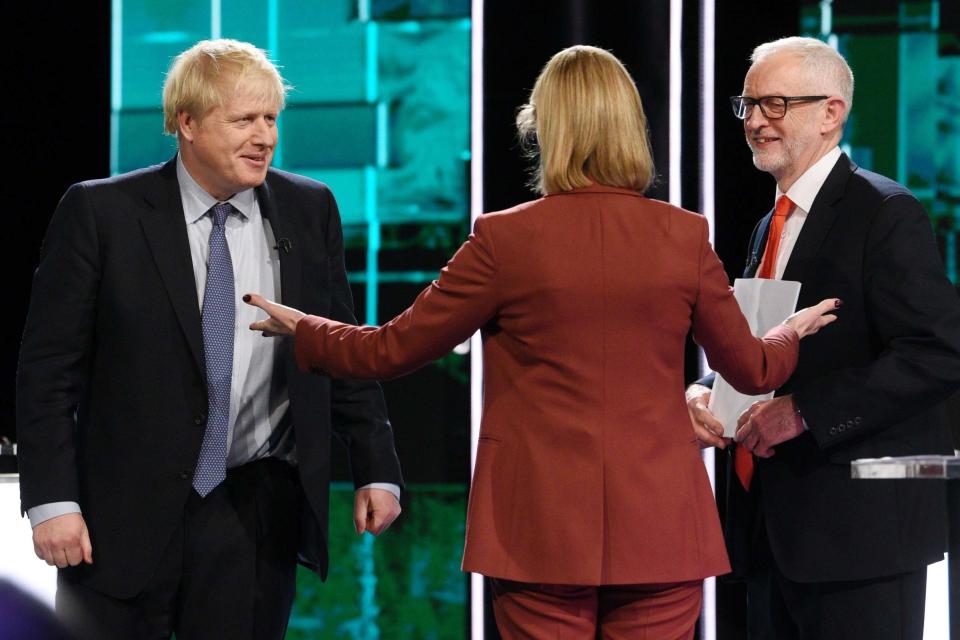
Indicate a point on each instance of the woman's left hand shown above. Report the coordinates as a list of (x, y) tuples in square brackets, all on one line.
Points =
[(282, 321)]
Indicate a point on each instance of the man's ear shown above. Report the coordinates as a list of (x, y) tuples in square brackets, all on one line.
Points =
[(187, 125), (834, 115)]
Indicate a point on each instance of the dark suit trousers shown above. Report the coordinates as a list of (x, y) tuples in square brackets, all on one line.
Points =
[(885, 608), (229, 570)]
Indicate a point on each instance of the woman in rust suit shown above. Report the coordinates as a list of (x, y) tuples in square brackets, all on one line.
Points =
[(590, 507)]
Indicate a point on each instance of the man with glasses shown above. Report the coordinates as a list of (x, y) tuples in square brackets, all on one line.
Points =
[(826, 556)]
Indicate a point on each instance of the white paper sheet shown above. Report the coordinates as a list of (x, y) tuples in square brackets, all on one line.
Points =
[(765, 303)]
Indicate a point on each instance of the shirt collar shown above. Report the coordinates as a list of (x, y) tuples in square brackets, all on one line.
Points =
[(804, 191), (197, 202)]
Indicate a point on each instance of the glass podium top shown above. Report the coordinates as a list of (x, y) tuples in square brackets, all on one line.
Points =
[(923, 467)]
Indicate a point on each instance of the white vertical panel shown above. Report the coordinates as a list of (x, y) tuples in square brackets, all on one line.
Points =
[(708, 617), (216, 20), (676, 82), (476, 208)]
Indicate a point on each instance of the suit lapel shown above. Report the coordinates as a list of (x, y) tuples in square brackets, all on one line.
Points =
[(166, 233), (823, 213), (285, 233), (757, 243)]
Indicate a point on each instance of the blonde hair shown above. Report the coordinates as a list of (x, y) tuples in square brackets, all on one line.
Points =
[(825, 67), (588, 123), (205, 75)]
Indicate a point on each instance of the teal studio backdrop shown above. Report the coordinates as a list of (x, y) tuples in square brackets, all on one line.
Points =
[(905, 122), (380, 112)]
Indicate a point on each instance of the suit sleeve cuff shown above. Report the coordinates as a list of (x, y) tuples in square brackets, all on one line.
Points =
[(696, 390)]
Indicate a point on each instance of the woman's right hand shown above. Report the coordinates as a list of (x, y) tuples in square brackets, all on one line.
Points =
[(281, 320), (808, 321)]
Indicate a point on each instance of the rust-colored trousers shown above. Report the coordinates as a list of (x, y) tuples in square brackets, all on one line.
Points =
[(613, 612)]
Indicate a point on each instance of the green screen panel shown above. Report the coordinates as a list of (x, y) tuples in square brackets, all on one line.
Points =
[(140, 141), (906, 102), (153, 33), (405, 584), (247, 20), (324, 62), (872, 134), (294, 14), (425, 79), (329, 135), (418, 9), (349, 186)]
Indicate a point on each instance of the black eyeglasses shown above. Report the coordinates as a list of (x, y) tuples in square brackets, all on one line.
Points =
[(772, 107)]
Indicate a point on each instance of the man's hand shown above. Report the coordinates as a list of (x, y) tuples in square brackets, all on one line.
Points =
[(707, 429), (63, 541), (374, 510), (768, 423)]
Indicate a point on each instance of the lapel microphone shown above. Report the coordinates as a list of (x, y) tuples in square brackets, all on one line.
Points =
[(285, 245)]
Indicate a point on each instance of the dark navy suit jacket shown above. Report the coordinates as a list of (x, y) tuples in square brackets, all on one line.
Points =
[(111, 392), (871, 384)]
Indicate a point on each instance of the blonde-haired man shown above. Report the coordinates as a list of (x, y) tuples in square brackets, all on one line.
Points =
[(173, 467), (826, 556)]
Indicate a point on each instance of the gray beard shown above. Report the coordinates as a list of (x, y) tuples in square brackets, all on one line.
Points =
[(775, 164)]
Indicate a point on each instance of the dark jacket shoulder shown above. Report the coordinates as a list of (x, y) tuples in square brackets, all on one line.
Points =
[(881, 185)]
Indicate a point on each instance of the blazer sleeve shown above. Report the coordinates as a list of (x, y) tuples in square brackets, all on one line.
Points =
[(913, 313), (445, 314), (358, 410), (55, 352), (752, 365), (749, 269)]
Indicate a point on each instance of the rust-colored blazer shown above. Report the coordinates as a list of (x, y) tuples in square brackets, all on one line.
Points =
[(587, 470)]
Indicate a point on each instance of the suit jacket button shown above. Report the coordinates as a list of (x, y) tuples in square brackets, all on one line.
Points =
[(850, 424), (833, 431), (200, 419), (857, 420), (184, 475)]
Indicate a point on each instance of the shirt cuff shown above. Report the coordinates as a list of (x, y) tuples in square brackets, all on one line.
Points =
[(386, 486), (49, 511), (695, 391), (803, 421)]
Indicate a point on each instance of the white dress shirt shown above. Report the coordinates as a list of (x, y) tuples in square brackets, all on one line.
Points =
[(802, 194)]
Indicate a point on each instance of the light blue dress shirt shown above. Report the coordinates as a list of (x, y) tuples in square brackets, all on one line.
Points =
[(260, 424)]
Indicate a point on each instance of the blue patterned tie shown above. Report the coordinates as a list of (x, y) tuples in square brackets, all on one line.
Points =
[(218, 320)]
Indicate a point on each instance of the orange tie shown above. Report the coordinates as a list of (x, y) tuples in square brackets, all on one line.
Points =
[(742, 459), (768, 266)]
